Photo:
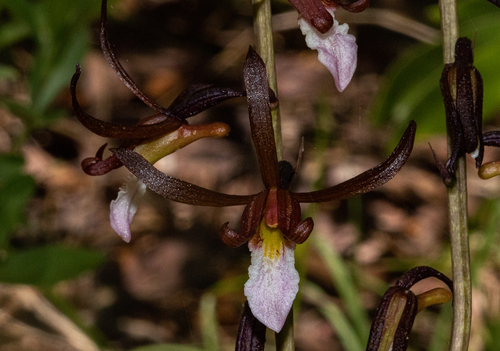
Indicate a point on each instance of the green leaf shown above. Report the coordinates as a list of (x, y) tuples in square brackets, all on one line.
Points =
[(47, 265)]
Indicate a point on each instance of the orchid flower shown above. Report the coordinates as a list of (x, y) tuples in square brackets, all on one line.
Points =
[(153, 137), (271, 221), (462, 90), (396, 313), (337, 50)]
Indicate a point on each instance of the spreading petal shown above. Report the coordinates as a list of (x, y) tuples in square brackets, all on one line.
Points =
[(337, 50), (273, 281), (123, 209)]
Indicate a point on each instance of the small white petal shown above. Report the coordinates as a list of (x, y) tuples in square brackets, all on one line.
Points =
[(475, 154), (337, 50), (273, 281), (123, 209)]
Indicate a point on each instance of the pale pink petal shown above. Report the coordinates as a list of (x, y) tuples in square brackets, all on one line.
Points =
[(273, 283), (123, 209), (337, 50)]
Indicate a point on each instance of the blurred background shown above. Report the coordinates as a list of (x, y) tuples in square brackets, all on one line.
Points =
[(68, 282)]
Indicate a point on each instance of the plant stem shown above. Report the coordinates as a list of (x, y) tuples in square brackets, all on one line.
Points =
[(457, 200), (265, 48)]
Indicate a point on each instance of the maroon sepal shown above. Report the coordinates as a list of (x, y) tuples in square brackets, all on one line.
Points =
[(257, 87), (250, 220), (175, 189), (370, 179), (289, 221), (116, 130)]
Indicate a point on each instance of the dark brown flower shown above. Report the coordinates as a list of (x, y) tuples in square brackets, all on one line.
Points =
[(271, 221)]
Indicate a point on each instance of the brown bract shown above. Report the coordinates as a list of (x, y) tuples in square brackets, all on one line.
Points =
[(276, 204)]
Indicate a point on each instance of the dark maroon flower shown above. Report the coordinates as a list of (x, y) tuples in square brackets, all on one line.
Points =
[(271, 221), (153, 137)]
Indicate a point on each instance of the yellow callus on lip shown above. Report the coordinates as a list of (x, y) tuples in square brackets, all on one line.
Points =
[(272, 241)]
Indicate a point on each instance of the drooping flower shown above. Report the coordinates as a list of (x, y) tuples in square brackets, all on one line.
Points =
[(337, 49), (271, 220), (153, 137), (399, 306)]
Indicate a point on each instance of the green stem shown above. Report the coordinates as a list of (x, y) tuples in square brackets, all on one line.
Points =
[(457, 199), (265, 48)]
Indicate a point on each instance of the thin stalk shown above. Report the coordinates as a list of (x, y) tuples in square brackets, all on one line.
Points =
[(457, 200), (265, 48)]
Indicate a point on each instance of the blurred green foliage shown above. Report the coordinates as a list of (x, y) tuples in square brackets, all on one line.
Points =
[(411, 88), (57, 35), (47, 265), (54, 35)]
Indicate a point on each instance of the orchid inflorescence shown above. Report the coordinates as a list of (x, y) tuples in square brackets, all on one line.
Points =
[(271, 221)]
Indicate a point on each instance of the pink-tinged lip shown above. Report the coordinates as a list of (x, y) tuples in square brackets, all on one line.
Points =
[(273, 281), (337, 50), (123, 209)]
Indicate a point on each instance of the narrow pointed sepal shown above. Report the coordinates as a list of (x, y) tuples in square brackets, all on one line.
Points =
[(124, 207), (251, 332), (370, 179), (116, 130), (261, 125), (197, 98), (175, 189), (273, 281), (337, 50)]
